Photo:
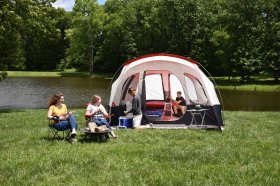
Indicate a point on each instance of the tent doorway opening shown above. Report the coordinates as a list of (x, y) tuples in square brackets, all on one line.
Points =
[(159, 91)]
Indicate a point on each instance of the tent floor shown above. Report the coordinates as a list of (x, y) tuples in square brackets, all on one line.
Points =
[(182, 126), (162, 118)]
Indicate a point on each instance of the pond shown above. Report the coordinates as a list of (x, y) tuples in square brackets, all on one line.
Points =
[(34, 92), (250, 100)]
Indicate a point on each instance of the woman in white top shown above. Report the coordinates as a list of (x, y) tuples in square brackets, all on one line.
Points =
[(98, 113)]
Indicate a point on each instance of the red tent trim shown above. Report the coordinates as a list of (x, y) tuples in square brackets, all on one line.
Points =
[(160, 54)]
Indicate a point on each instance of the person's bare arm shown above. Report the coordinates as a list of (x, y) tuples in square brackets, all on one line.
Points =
[(88, 113), (178, 102), (50, 114), (104, 112)]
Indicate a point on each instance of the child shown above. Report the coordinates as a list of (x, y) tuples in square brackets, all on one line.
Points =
[(98, 114)]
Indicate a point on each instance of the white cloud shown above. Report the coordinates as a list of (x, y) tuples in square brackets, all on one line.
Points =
[(68, 4)]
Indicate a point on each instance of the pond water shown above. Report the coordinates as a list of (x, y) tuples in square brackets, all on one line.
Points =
[(250, 100), (34, 92), (27, 92)]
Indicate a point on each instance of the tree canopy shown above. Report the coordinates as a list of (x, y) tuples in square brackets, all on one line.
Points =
[(230, 38)]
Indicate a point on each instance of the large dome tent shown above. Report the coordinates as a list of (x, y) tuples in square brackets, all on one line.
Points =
[(159, 76)]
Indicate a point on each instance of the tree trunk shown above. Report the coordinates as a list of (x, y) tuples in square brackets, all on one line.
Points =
[(91, 50)]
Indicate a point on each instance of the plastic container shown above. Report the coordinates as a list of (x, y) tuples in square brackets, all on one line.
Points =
[(125, 122)]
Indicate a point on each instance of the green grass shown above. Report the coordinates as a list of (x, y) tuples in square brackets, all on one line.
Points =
[(66, 73), (245, 153), (256, 84), (253, 87)]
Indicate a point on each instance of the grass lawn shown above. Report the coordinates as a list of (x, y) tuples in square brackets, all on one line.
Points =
[(245, 153), (66, 73), (256, 84)]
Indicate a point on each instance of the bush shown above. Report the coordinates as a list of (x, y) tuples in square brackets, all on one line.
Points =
[(3, 75)]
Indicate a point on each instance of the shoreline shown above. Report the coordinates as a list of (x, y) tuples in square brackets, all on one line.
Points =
[(256, 85), (67, 73)]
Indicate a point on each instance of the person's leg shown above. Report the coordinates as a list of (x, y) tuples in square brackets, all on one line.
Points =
[(183, 109), (175, 109), (137, 121), (98, 122), (105, 122), (73, 122), (73, 125), (62, 125)]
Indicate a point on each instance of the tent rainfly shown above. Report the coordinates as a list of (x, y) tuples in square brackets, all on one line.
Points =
[(159, 76)]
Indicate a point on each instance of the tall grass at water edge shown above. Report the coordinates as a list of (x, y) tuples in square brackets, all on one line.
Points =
[(245, 153)]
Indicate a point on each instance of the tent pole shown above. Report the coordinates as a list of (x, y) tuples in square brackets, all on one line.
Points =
[(217, 89)]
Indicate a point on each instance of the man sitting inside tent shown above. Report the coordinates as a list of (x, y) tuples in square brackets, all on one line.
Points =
[(180, 104)]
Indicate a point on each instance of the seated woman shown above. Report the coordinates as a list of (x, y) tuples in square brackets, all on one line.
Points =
[(98, 114), (64, 120)]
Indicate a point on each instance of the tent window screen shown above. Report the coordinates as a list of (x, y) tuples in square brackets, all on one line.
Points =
[(126, 85), (154, 88), (190, 88), (175, 86)]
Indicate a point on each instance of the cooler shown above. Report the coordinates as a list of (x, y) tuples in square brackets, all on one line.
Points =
[(125, 122)]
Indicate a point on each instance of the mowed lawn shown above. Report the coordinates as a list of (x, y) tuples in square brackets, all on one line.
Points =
[(247, 152)]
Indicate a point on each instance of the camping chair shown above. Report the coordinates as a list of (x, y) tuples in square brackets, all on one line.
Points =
[(57, 134), (167, 110), (87, 119)]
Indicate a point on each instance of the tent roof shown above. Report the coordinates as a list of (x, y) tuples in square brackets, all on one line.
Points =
[(160, 54), (181, 67)]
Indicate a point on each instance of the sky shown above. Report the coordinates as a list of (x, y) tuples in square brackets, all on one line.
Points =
[(68, 4)]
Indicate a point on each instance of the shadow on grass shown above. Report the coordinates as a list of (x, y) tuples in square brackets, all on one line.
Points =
[(92, 140), (11, 110), (80, 140), (51, 139)]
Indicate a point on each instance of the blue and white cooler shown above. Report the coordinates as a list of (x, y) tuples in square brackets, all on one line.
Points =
[(125, 122)]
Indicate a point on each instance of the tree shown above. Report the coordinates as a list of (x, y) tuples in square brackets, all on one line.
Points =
[(12, 53), (85, 34), (243, 27), (30, 36), (271, 38), (127, 32), (41, 36), (179, 26)]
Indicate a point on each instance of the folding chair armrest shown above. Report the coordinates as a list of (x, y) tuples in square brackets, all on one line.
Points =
[(87, 118)]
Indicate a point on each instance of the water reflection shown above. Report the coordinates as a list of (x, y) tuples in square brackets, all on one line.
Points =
[(251, 100), (34, 93)]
